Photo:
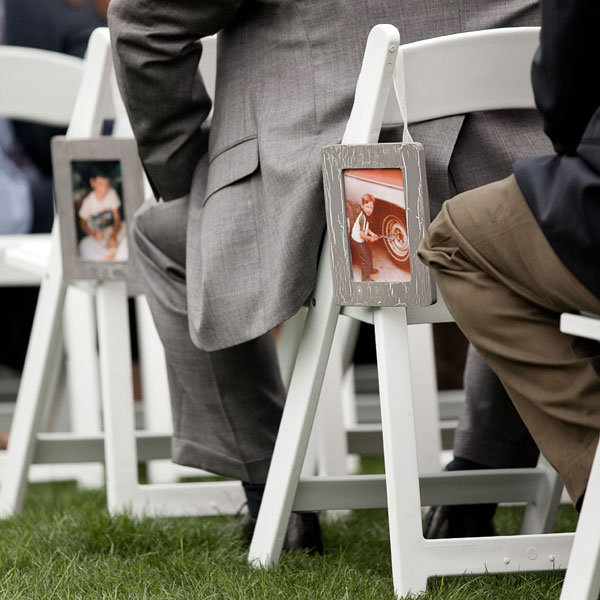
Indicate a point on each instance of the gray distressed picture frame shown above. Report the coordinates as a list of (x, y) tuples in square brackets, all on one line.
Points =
[(403, 281), (73, 162)]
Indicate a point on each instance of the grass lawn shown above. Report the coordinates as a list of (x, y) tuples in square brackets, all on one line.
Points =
[(66, 546)]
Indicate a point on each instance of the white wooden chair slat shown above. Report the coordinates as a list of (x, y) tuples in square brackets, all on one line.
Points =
[(38, 85), (498, 76)]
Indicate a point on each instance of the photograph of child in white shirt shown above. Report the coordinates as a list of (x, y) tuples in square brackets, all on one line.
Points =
[(99, 218)]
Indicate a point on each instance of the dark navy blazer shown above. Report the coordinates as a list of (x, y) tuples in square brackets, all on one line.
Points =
[(563, 190)]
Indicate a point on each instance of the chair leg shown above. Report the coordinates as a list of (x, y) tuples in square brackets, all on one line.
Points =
[(350, 329), (44, 355), (288, 342), (540, 515), (329, 425), (155, 390), (296, 422), (427, 414), (400, 451), (117, 396), (582, 580), (83, 376)]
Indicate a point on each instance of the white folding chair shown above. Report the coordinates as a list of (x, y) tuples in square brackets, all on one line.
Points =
[(41, 86), (121, 447), (455, 74), (582, 580)]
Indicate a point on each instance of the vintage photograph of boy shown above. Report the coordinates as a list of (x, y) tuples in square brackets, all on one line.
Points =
[(376, 219), (99, 216)]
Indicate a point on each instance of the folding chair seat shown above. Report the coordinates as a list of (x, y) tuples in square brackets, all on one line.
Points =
[(445, 76)]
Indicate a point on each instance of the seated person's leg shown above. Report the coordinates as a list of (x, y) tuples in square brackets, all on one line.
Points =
[(487, 145), (506, 289), (490, 435), (490, 431), (227, 404)]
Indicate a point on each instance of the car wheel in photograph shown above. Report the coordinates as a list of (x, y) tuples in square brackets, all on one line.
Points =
[(396, 237)]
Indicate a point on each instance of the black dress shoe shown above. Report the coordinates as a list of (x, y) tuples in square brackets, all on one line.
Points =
[(303, 532), (246, 527), (472, 520)]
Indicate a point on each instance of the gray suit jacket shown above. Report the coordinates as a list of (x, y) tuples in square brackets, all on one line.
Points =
[(285, 82)]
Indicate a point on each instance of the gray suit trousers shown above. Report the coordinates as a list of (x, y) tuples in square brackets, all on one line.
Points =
[(490, 431), (227, 404)]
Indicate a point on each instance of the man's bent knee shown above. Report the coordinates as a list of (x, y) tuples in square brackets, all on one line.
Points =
[(438, 247)]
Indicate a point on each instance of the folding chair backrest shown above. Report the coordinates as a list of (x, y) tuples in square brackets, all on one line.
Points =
[(38, 85), (41, 87), (466, 72), (449, 75)]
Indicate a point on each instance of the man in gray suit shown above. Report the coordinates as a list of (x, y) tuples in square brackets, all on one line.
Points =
[(231, 250)]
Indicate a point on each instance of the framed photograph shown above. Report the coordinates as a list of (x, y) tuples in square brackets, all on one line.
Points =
[(377, 212), (99, 185)]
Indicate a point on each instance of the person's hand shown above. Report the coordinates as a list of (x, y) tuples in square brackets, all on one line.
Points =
[(97, 235), (111, 242)]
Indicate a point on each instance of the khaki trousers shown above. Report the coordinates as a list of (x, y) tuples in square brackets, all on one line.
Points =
[(506, 288)]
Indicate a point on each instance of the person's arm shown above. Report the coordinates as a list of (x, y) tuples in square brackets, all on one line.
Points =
[(97, 235), (111, 242), (565, 71), (366, 234), (369, 236), (156, 53)]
